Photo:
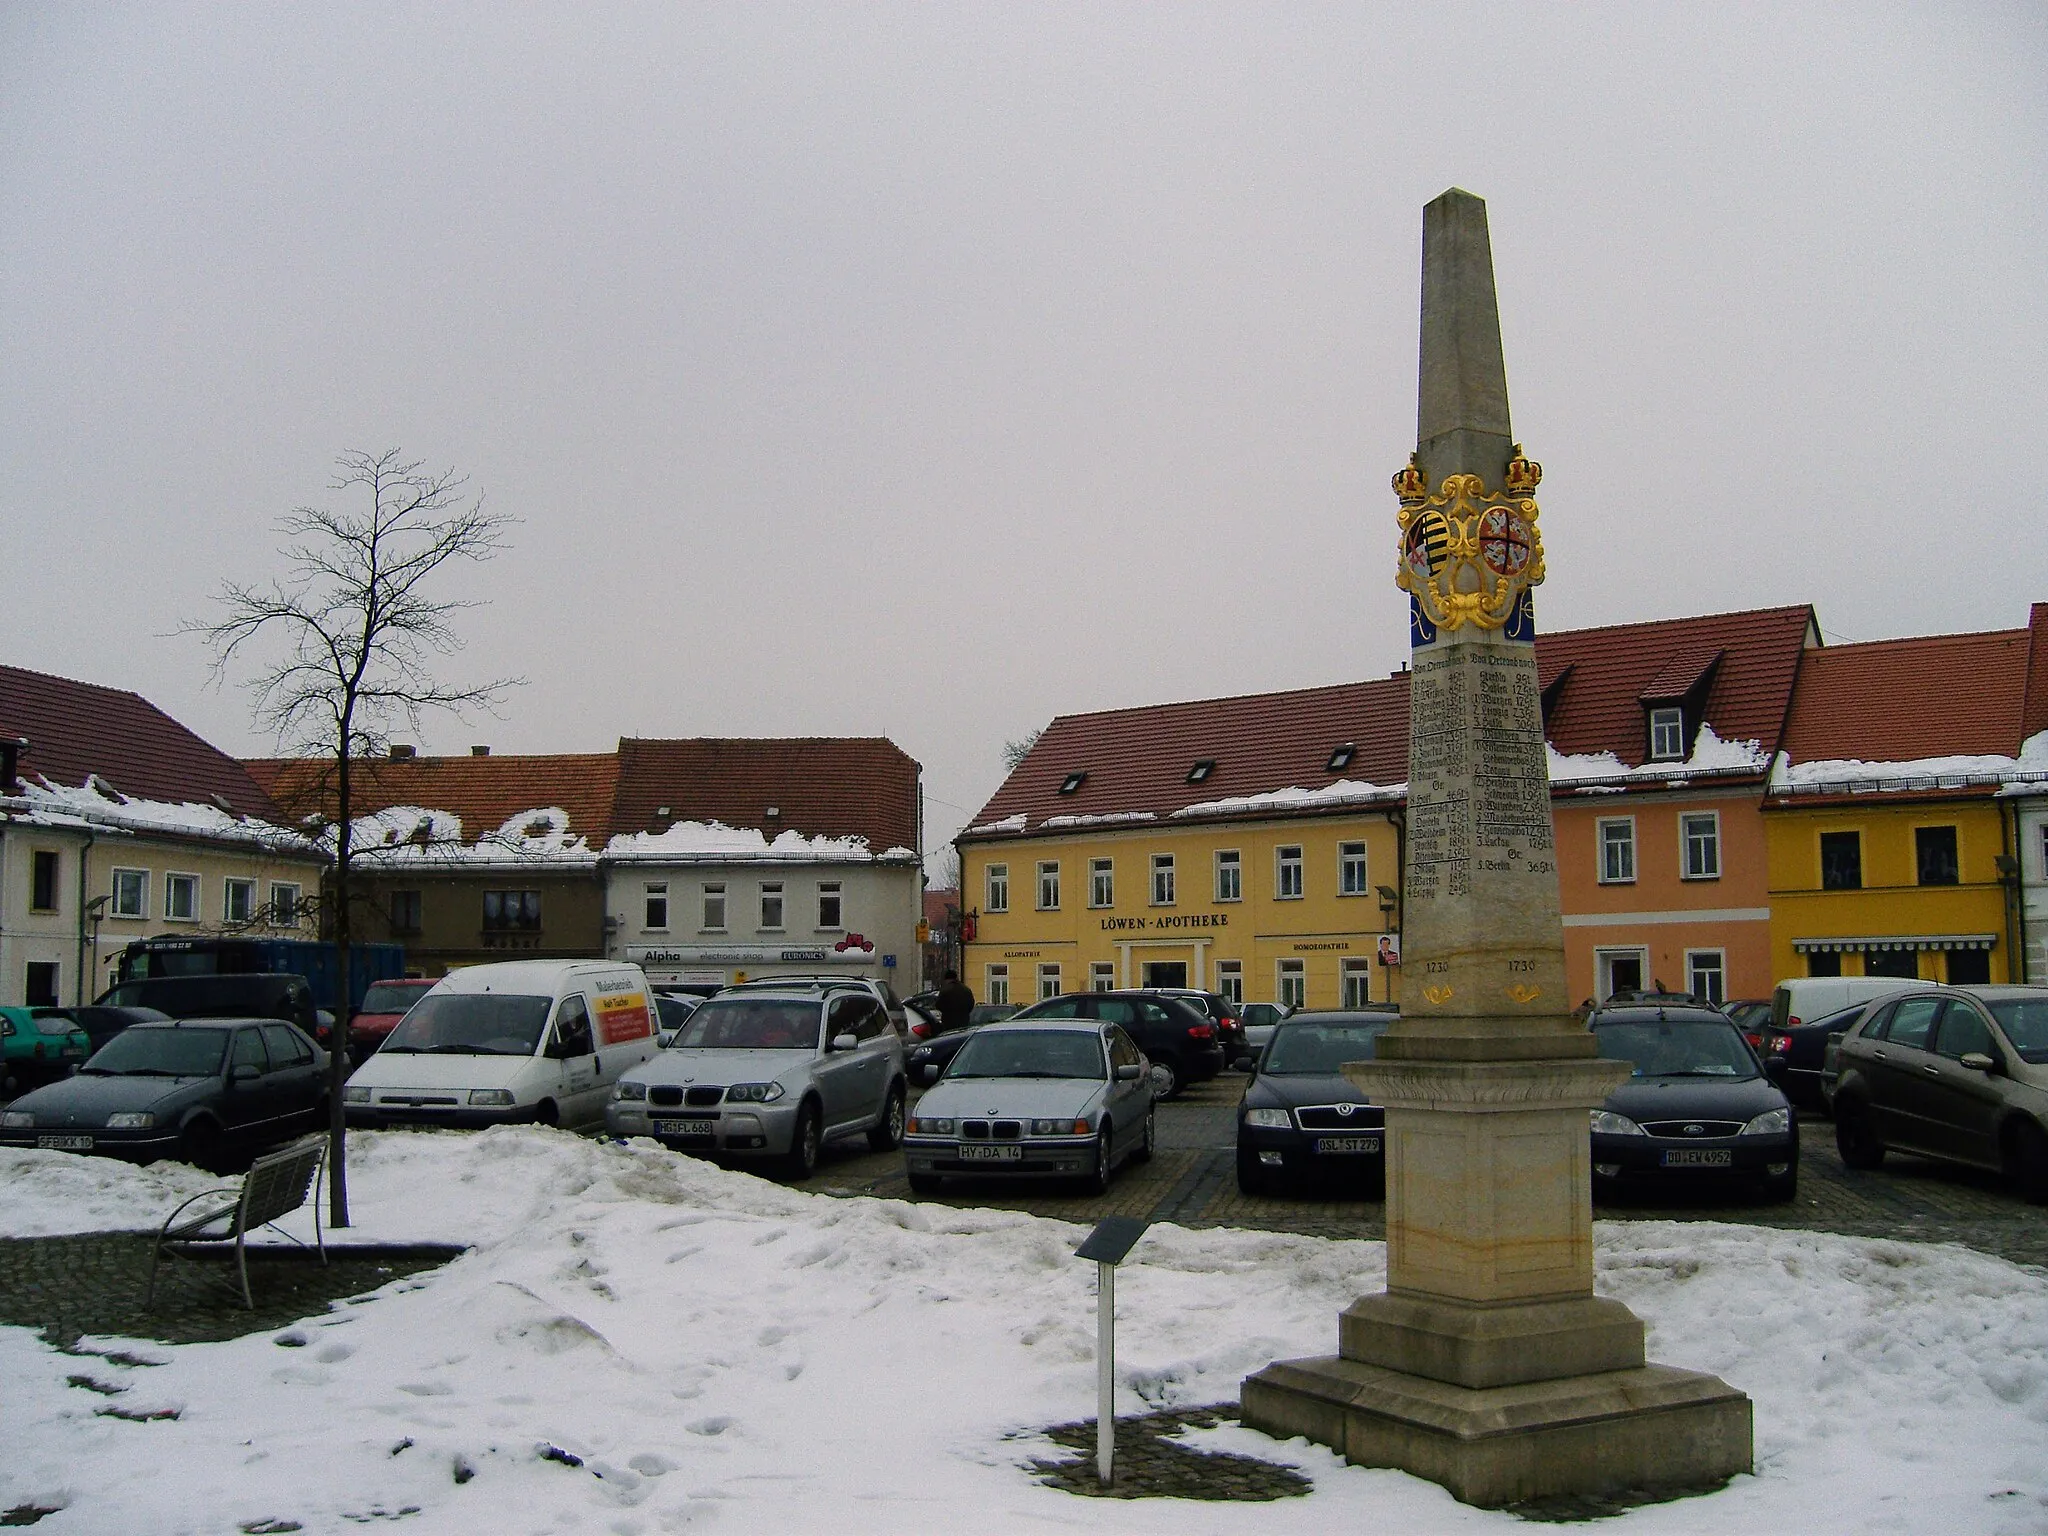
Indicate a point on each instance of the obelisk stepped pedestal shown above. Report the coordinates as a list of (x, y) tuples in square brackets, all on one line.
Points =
[(1488, 1364)]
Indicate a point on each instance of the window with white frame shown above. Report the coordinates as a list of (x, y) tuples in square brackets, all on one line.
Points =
[(1229, 875), (1357, 976), (1162, 879), (284, 904), (181, 898), (1230, 980), (714, 907), (1699, 832), (1049, 885), (1048, 981), (997, 896), (830, 908), (1706, 974), (996, 984), (1102, 976), (1293, 983), (1617, 850), (1287, 873), (238, 901), (1667, 734), (771, 906), (1101, 883), (130, 894), (654, 911), (1351, 870)]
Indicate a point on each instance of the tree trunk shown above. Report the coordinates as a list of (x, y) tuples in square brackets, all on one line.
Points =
[(337, 1060)]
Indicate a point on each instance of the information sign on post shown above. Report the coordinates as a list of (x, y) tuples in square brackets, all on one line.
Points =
[(1113, 1237)]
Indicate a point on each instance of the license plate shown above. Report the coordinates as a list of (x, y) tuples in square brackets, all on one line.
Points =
[(1343, 1145), (65, 1143), (702, 1125), (1699, 1157), (991, 1154)]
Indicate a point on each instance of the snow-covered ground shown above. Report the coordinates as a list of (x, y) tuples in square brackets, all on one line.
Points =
[(727, 1354)]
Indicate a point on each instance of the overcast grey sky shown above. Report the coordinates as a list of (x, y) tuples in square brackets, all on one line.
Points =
[(933, 370)]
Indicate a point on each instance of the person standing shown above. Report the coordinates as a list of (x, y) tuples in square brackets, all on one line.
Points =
[(955, 1002)]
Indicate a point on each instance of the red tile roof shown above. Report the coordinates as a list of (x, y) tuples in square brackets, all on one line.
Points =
[(1899, 701), (1137, 760), (486, 792), (821, 786), (2034, 713), (936, 905), (79, 729)]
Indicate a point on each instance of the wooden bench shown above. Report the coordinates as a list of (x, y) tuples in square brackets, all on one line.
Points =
[(276, 1184)]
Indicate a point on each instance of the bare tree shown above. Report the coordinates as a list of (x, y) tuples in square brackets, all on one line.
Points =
[(341, 649), (1014, 752)]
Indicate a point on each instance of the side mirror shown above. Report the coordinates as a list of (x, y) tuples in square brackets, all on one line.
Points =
[(242, 1072), (1977, 1061), (928, 1074), (1245, 1064), (845, 1042), (1127, 1073), (1774, 1066)]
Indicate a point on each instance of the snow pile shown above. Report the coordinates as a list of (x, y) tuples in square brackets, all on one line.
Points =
[(1014, 823), (714, 840), (1341, 792), (1710, 755), (720, 1352), (403, 836), (1106, 819), (98, 804), (2025, 774)]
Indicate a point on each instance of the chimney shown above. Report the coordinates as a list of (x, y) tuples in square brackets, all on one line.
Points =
[(400, 751), (479, 751), (11, 748)]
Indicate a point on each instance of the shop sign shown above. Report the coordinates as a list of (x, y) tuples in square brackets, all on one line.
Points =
[(668, 957), (1167, 923)]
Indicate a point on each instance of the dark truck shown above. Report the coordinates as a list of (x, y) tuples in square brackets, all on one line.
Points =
[(172, 955), (257, 996)]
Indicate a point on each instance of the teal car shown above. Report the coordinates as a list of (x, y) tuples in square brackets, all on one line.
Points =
[(38, 1045)]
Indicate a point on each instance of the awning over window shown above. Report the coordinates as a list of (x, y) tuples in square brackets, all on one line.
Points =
[(1896, 941)]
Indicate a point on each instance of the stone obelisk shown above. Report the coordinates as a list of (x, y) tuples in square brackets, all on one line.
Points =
[(1488, 1364)]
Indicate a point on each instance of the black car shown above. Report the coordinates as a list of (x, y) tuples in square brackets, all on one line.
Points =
[(1229, 1016), (102, 1022), (1697, 1110), (1300, 1116), (1795, 1056), (1178, 1038), (194, 1089)]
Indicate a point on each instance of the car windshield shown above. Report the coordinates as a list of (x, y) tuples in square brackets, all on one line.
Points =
[(2025, 1022), (1677, 1048), (387, 997), (751, 1024), (1302, 1048), (160, 1053), (1030, 1053), (470, 1024)]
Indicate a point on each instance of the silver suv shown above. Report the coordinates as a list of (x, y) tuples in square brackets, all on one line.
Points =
[(770, 1072), (879, 990)]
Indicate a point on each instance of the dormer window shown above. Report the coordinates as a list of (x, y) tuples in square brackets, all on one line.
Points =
[(1667, 735), (1073, 782), (1201, 770), (1341, 758)]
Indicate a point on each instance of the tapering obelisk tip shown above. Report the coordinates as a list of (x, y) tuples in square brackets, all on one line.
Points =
[(1462, 416)]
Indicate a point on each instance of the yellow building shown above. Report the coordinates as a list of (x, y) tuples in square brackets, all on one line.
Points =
[(1890, 852)]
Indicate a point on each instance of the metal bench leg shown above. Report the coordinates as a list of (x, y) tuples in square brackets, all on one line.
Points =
[(242, 1267)]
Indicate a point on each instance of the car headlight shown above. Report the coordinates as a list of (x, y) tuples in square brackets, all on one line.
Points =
[(931, 1127), (625, 1090), (496, 1098), (1269, 1119), (753, 1093), (1059, 1127), (1772, 1122), (131, 1120), (1607, 1123), (355, 1095), (16, 1119)]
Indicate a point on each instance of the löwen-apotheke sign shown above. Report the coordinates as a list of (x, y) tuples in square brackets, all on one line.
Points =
[(1169, 923)]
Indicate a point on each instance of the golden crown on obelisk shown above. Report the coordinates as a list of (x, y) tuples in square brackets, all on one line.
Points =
[(1468, 556)]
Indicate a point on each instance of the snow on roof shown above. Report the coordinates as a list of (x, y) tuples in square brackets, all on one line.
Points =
[(2022, 775), (1342, 792), (98, 805), (1014, 823), (412, 836), (1710, 755), (1107, 818), (713, 841)]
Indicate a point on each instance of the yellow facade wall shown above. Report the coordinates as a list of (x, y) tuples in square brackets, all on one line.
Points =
[(1890, 902), (1318, 931)]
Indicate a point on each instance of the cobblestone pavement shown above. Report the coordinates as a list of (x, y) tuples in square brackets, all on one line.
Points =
[(1192, 1181)]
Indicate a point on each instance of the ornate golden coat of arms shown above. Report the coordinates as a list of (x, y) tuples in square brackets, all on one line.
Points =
[(1468, 557)]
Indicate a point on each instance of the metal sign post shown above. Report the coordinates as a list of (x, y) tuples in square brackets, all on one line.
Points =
[(1113, 1237)]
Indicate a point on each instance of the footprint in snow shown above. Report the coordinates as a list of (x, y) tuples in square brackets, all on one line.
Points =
[(685, 1253), (717, 1424), (334, 1354), (773, 1335), (775, 1236)]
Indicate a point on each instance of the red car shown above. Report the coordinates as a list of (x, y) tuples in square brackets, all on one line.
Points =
[(384, 1004)]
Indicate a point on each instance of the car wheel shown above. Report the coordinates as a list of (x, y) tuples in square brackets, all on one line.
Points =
[(1251, 1175), (1854, 1139), (2028, 1161), (887, 1134), (1096, 1180), (925, 1183), (1782, 1191), (805, 1144), (1142, 1152), (545, 1113), (199, 1145), (1166, 1078)]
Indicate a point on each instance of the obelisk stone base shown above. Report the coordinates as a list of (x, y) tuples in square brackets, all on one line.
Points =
[(1650, 1427), (1477, 1345)]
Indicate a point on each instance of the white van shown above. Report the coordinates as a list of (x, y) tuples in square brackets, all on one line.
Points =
[(524, 1041), (1806, 998)]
